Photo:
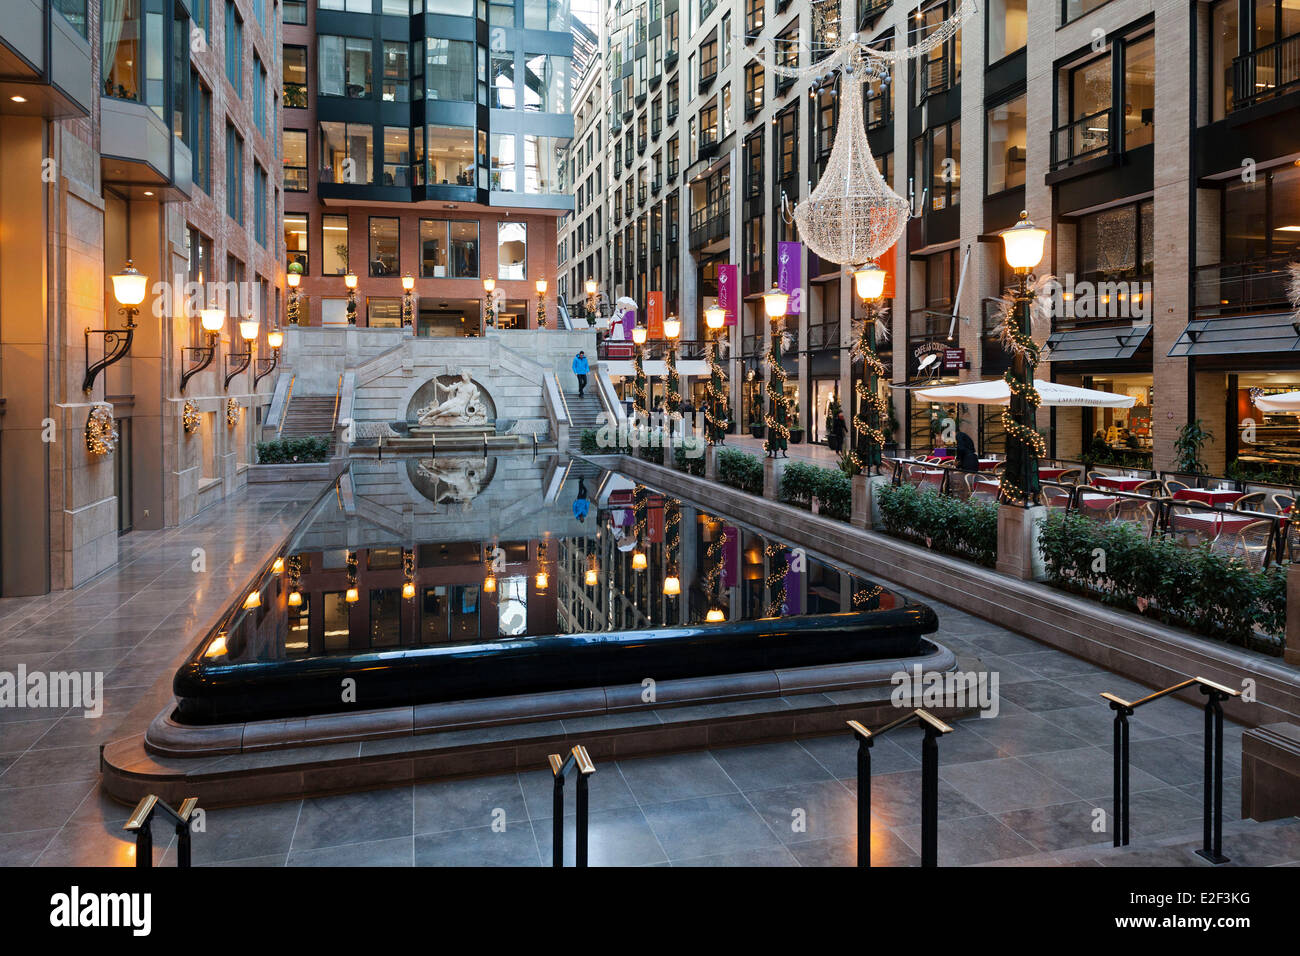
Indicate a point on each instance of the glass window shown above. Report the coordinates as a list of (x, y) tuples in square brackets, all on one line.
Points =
[(397, 156), (234, 47), (200, 138), (1007, 27), (234, 175), (501, 13), (433, 249), (345, 153), (295, 239), (384, 258), (449, 156), (295, 11), (450, 8), (541, 164), (121, 50), (295, 77), (545, 84), (1223, 50), (384, 313), (1077, 8), (295, 160), (397, 71), (503, 162), (512, 250), (449, 69), (1140, 92), (503, 81), (1006, 137), (344, 67), (259, 203), (334, 245)]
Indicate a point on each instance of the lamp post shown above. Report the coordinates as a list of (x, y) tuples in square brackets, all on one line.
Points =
[(291, 303), (869, 281), (489, 317), (540, 285), (591, 299), (775, 303), (717, 414), (275, 339), (1023, 244), (673, 400), (248, 332), (212, 321), (641, 401), (350, 280), (129, 288), (408, 301)]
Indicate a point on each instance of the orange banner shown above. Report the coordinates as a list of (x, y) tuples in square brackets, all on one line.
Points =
[(654, 316), (889, 262)]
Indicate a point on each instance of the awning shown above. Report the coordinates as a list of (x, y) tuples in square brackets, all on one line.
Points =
[(1285, 402), (1239, 335), (1091, 345), (995, 392)]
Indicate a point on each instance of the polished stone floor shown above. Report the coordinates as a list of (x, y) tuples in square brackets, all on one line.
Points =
[(1025, 787)]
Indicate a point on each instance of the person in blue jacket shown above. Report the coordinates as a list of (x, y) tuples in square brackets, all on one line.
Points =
[(580, 369)]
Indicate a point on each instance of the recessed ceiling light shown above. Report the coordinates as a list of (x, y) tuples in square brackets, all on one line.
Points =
[(18, 99)]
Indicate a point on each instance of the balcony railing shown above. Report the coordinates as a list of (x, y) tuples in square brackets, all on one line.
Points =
[(753, 102), (868, 10), (1243, 288), (1085, 138), (710, 222), (878, 114), (707, 76), (708, 141), (1267, 72), (935, 76)]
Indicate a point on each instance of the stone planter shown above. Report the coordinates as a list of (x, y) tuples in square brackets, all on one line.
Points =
[(757, 431)]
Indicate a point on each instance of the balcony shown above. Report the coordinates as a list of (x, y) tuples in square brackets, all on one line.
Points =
[(641, 143), (641, 191), (708, 143), (707, 76), (656, 128), (1267, 72), (672, 113), (656, 184), (869, 10), (628, 159), (878, 115), (670, 59), (1258, 286), (934, 76), (1086, 138), (753, 103), (711, 222)]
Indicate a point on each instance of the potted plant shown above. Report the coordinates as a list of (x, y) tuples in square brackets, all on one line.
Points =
[(1191, 440), (796, 430), (757, 429)]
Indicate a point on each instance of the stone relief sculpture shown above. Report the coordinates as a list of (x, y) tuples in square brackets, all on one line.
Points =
[(461, 404), (454, 479)]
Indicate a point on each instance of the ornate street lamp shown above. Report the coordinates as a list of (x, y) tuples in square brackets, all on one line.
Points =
[(489, 316), (591, 298), (275, 339), (641, 399), (350, 280), (673, 400), (540, 285), (129, 288), (292, 278), (212, 321), (248, 332), (408, 301), (775, 303), (869, 281), (717, 412), (1023, 244)]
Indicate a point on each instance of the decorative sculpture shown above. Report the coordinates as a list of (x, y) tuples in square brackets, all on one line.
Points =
[(463, 405)]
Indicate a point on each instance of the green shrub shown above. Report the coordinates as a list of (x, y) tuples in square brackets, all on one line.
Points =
[(740, 470), (280, 451), (964, 529), (800, 482), (1197, 588), (692, 466), (589, 445)]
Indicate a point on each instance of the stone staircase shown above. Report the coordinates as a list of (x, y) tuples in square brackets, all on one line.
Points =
[(309, 416), (585, 412)]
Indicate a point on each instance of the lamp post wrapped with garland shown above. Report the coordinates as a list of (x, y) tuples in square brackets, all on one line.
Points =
[(778, 415), (673, 400), (868, 430), (641, 400), (717, 411), (1024, 251)]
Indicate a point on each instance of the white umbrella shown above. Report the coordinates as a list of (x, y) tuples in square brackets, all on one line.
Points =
[(1285, 402), (995, 392)]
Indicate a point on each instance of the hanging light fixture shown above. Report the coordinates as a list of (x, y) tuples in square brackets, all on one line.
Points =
[(542, 580), (490, 583), (672, 585), (295, 598), (352, 596), (592, 577), (715, 615), (638, 560)]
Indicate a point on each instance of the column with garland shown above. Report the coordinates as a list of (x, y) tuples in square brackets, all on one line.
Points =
[(778, 402), (717, 410), (1024, 444), (869, 435), (641, 400)]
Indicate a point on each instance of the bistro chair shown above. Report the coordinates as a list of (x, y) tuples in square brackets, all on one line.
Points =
[(1094, 475), (986, 493), (1070, 475), (1283, 504), (1057, 498), (1251, 502), (1144, 514), (1151, 488), (1172, 485), (1250, 544)]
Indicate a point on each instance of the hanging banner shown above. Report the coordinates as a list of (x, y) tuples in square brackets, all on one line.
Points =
[(729, 291), (793, 586), (655, 316), (654, 519), (889, 262), (789, 274), (731, 558)]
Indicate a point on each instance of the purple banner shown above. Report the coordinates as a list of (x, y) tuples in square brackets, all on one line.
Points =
[(793, 587), (729, 291), (789, 274), (731, 558)]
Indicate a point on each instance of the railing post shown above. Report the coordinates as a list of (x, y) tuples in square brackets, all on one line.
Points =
[(580, 825), (557, 822), (183, 845), (864, 801), (929, 798), (1212, 814), (1119, 781)]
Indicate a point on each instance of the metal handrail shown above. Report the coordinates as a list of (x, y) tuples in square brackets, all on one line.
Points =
[(934, 729), (560, 766), (141, 824), (1212, 815)]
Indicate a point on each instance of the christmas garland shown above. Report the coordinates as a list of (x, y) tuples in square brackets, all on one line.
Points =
[(232, 413), (1021, 344), (717, 410), (778, 415), (190, 418), (101, 430), (673, 401), (871, 436), (641, 403), (777, 607)]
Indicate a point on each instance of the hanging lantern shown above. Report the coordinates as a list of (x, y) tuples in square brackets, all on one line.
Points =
[(715, 615), (672, 585), (295, 599), (638, 560), (490, 584)]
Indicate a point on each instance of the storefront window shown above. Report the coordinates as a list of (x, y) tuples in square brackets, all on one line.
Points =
[(512, 250), (295, 239), (448, 250), (1120, 436), (334, 245), (384, 259)]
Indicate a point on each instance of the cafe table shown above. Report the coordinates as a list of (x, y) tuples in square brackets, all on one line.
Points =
[(1118, 482), (1208, 496), (1051, 474), (1210, 523), (988, 464)]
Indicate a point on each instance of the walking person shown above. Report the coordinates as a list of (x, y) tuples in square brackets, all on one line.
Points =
[(838, 430), (580, 368)]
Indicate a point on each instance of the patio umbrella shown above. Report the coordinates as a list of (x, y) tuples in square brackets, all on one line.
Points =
[(995, 392), (1285, 402)]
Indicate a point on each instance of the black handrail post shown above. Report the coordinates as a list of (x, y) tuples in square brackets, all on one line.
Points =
[(144, 845), (183, 845), (864, 801), (557, 822), (1212, 846), (1120, 776), (580, 836), (929, 798)]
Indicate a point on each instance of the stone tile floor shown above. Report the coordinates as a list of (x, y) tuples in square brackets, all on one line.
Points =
[(1024, 787)]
